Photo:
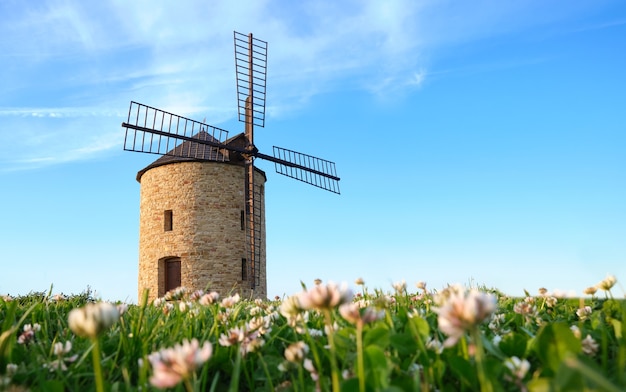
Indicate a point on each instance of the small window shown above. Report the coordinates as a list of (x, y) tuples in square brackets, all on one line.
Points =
[(168, 220), (244, 269), (243, 220)]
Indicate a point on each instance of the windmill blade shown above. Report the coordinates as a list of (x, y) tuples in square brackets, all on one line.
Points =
[(253, 225), (251, 74), (154, 131), (306, 168)]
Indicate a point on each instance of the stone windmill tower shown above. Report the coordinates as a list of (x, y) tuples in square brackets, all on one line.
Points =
[(192, 229), (202, 204)]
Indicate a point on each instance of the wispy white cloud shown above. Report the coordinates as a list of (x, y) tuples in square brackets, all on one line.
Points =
[(96, 57)]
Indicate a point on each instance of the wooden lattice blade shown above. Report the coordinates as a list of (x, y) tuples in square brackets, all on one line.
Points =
[(306, 168), (251, 75), (156, 131)]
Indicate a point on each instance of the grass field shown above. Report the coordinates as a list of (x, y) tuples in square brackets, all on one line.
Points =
[(326, 338)]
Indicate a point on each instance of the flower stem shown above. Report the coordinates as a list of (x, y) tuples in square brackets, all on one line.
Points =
[(485, 382), (359, 353), (188, 386), (333, 359), (97, 368)]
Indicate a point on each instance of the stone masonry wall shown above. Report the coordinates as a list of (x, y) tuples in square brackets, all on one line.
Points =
[(206, 199)]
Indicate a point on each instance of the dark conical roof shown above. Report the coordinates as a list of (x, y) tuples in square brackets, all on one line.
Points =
[(189, 151)]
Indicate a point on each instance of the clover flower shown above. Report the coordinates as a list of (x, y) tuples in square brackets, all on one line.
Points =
[(196, 295), (176, 294), (92, 319), (11, 369), (463, 311), (290, 307), (249, 340), (583, 313), (60, 349), (308, 365), (607, 283), (325, 296), (400, 287), (229, 302), (234, 336), (5, 380), (590, 290), (209, 298), (172, 365), (29, 333), (576, 331), (551, 301), (435, 345), (518, 367), (359, 282), (589, 345), (296, 352), (353, 313), (525, 308)]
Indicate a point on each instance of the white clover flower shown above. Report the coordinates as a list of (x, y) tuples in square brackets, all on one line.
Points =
[(589, 345), (92, 319), (584, 313), (11, 369), (315, 333), (296, 352), (576, 331), (59, 349), (435, 345), (308, 365), (607, 283), (400, 287), (518, 367), (590, 290)]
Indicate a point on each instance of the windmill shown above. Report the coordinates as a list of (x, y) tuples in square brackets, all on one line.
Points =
[(155, 131)]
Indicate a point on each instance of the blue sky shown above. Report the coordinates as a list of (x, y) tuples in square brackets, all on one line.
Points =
[(478, 141)]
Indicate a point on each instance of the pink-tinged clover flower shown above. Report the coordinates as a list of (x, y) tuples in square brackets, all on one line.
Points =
[(327, 296), (229, 302), (209, 298), (172, 365), (28, 333), (353, 313), (234, 336), (462, 311), (92, 319)]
